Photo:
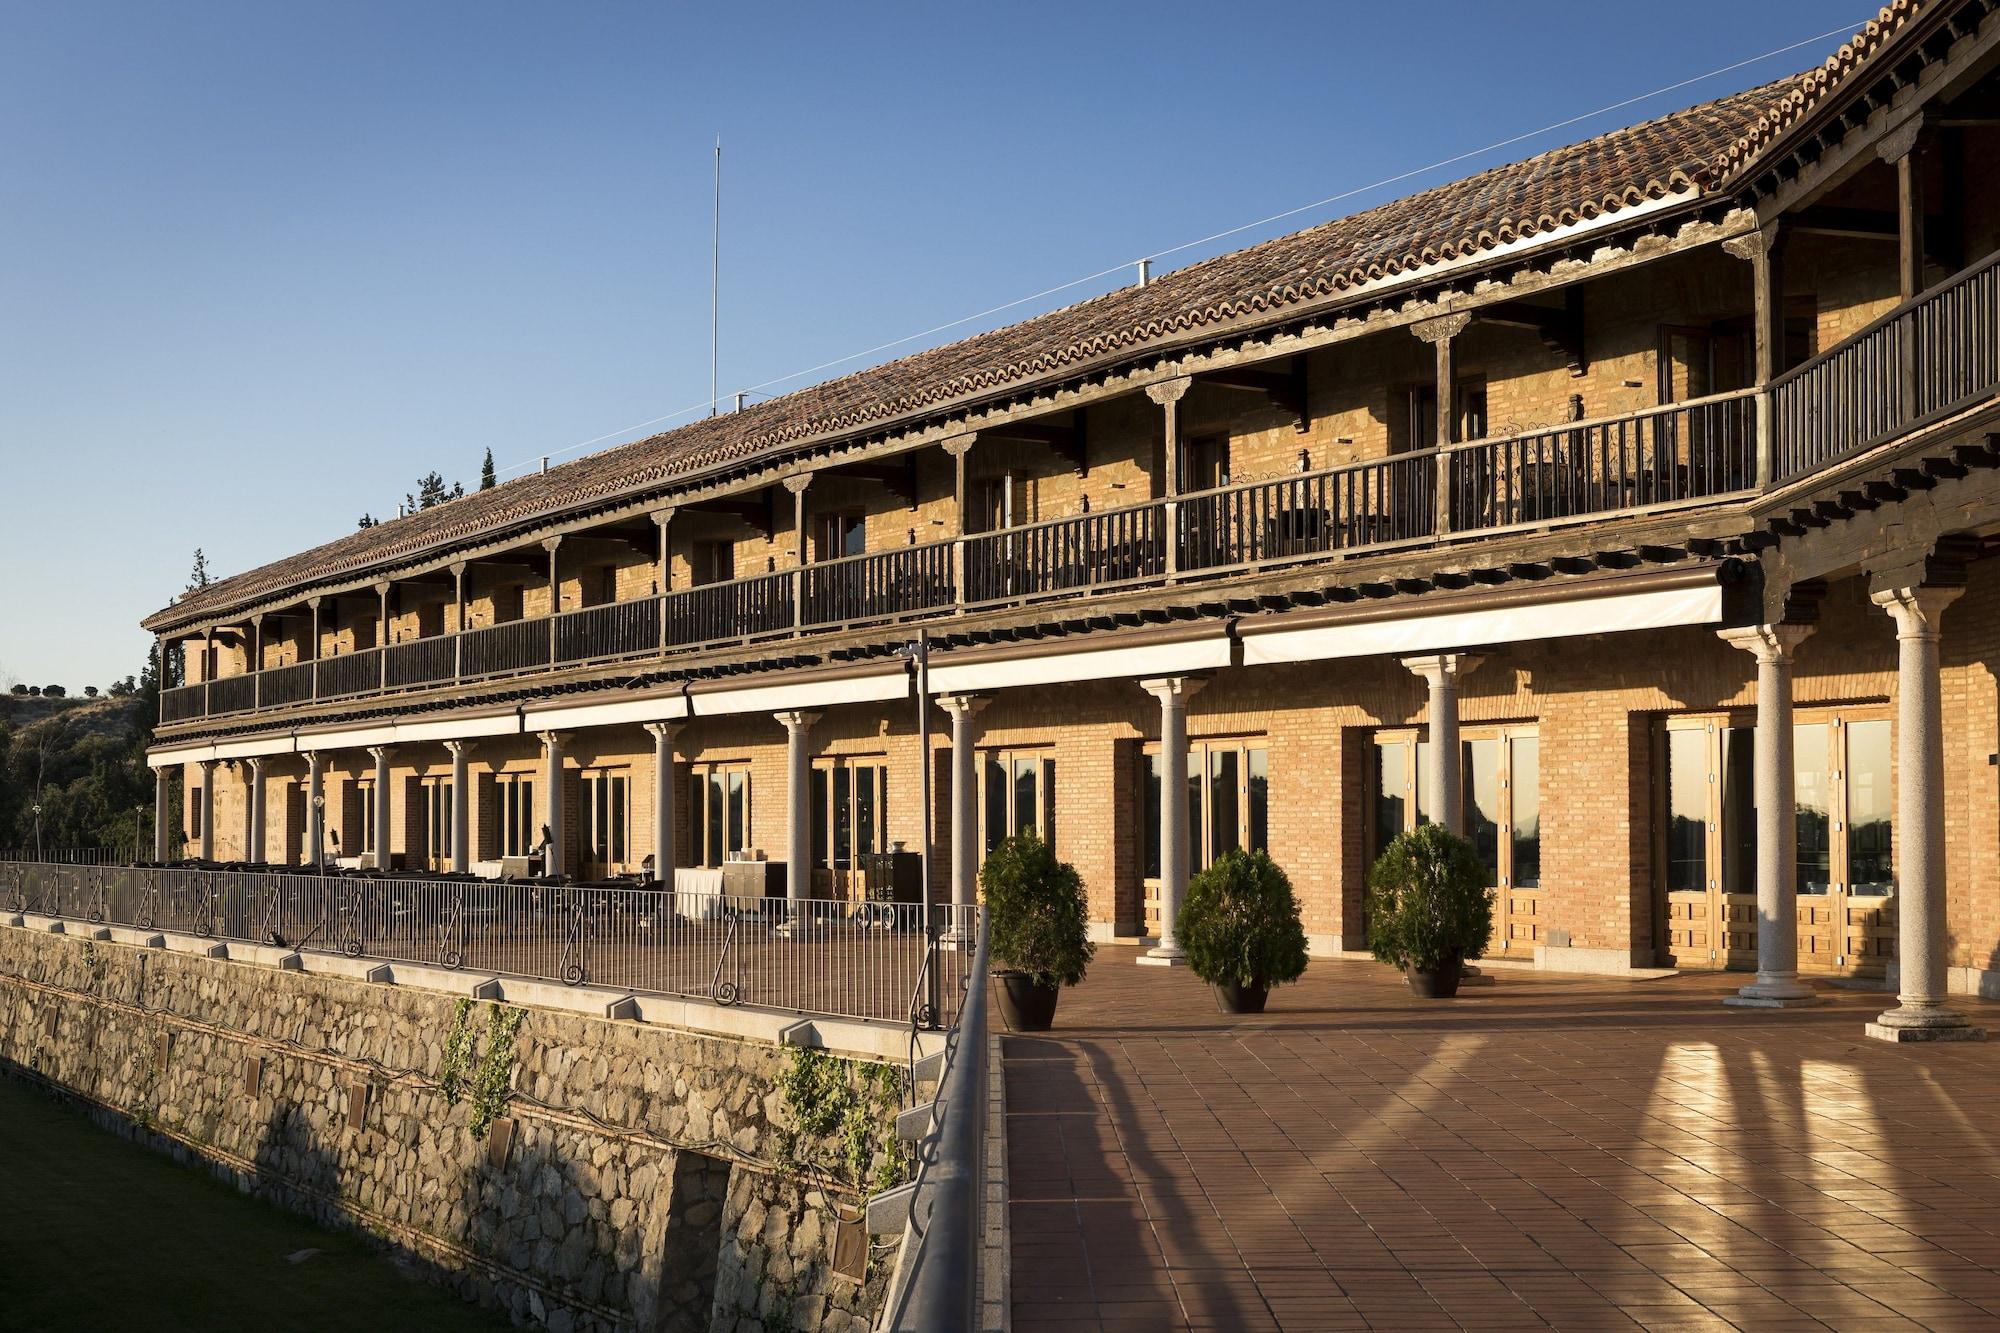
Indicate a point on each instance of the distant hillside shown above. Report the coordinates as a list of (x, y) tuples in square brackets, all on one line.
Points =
[(87, 758)]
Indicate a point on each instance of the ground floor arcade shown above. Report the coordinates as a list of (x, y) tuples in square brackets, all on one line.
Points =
[(1805, 799)]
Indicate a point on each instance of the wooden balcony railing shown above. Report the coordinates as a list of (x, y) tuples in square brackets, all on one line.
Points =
[(517, 645), (1930, 356), (879, 585), (723, 612), (356, 673), (616, 629), (1106, 549), (1927, 358)]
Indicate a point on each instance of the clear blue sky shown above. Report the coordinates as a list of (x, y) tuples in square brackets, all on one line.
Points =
[(262, 265)]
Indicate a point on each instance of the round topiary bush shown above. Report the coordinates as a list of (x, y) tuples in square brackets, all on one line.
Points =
[(1239, 924), (1428, 905), (1036, 912)]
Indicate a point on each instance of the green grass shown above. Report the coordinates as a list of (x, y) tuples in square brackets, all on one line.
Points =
[(97, 1233)]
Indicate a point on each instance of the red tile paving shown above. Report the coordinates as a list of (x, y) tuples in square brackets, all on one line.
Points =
[(1539, 1153)]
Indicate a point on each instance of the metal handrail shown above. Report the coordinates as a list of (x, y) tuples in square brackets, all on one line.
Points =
[(936, 1285)]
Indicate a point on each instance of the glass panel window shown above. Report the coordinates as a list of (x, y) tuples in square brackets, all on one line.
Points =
[(1392, 782), (1018, 797), (604, 799), (1224, 808), (1150, 826), (718, 813), (367, 843), (1260, 799), (1687, 811), (437, 819), (850, 801), (516, 796), (1870, 810), (1524, 789), (1739, 810), (1228, 802), (1812, 754), (1480, 777), (996, 801)]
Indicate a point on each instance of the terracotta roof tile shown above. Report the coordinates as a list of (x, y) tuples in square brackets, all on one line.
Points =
[(1686, 152)]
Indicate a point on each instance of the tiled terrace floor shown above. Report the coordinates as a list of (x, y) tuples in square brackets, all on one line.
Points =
[(1577, 1154)]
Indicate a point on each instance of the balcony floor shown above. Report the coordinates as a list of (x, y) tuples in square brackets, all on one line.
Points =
[(1539, 1153)]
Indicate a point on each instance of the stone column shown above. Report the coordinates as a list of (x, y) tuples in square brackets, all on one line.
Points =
[(163, 796), (384, 843), (207, 830), (1443, 778), (1922, 1014), (1173, 692), (664, 787), (1777, 985), (253, 820), (461, 806), (1168, 394), (553, 861), (315, 809), (965, 850), (1439, 333), (798, 803)]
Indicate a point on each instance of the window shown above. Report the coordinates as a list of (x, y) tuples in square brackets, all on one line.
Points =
[(437, 820), (1228, 802), (1018, 796), (1500, 777), (366, 827), (850, 811), (712, 562), (197, 810), (515, 795), (606, 814), (840, 535), (1205, 463), (718, 812), (1468, 407)]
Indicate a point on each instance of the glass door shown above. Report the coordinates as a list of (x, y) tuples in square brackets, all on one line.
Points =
[(1846, 817), (1706, 845)]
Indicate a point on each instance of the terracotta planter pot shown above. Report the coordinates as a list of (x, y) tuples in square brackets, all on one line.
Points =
[(1026, 1006), (1235, 999), (1441, 983)]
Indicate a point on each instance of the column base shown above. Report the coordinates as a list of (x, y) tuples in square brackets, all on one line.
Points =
[(1774, 992), (1923, 1023), (1168, 955)]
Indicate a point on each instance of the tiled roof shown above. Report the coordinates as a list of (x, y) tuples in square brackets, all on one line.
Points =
[(1686, 152)]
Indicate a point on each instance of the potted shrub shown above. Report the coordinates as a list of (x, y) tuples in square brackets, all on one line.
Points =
[(1429, 909), (1239, 926), (1037, 936)]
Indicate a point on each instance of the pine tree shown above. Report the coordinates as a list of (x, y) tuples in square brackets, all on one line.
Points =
[(198, 576), (430, 492), (487, 481), (367, 521)]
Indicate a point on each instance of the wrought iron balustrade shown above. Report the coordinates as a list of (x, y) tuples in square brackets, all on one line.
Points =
[(616, 629), (879, 585), (285, 685), (182, 702)]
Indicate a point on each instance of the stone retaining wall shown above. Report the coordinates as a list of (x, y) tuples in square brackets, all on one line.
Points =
[(635, 1177)]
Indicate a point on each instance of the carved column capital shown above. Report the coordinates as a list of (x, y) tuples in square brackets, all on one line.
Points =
[(381, 754), (1442, 668), (963, 705), (958, 446), (555, 740), (550, 544), (797, 720), (665, 514), (1916, 609), (798, 481), (459, 749), (1443, 328), (664, 731), (1170, 690), (1767, 643), (1168, 392)]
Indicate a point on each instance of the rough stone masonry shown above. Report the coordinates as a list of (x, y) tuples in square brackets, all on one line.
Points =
[(632, 1177)]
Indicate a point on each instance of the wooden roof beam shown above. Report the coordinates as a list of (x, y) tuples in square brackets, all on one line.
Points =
[(1284, 386)]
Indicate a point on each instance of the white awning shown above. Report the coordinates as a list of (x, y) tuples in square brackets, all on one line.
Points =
[(803, 694), (1134, 662), (664, 708), (1521, 623)]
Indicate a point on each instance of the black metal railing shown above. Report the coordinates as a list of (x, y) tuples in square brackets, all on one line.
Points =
[(356, 673), (232, 694), (285, 685), (1349, 508), (845, 959)]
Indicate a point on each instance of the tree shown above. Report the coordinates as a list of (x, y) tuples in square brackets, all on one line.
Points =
[(367, 521), (35, 690), (90, 691), (431, 492), (54, 692), (487, 481), (20, 689), (198, 576)]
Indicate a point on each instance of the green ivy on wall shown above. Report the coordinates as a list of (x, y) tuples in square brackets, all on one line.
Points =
[(849, 1102), (487, 1083)]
